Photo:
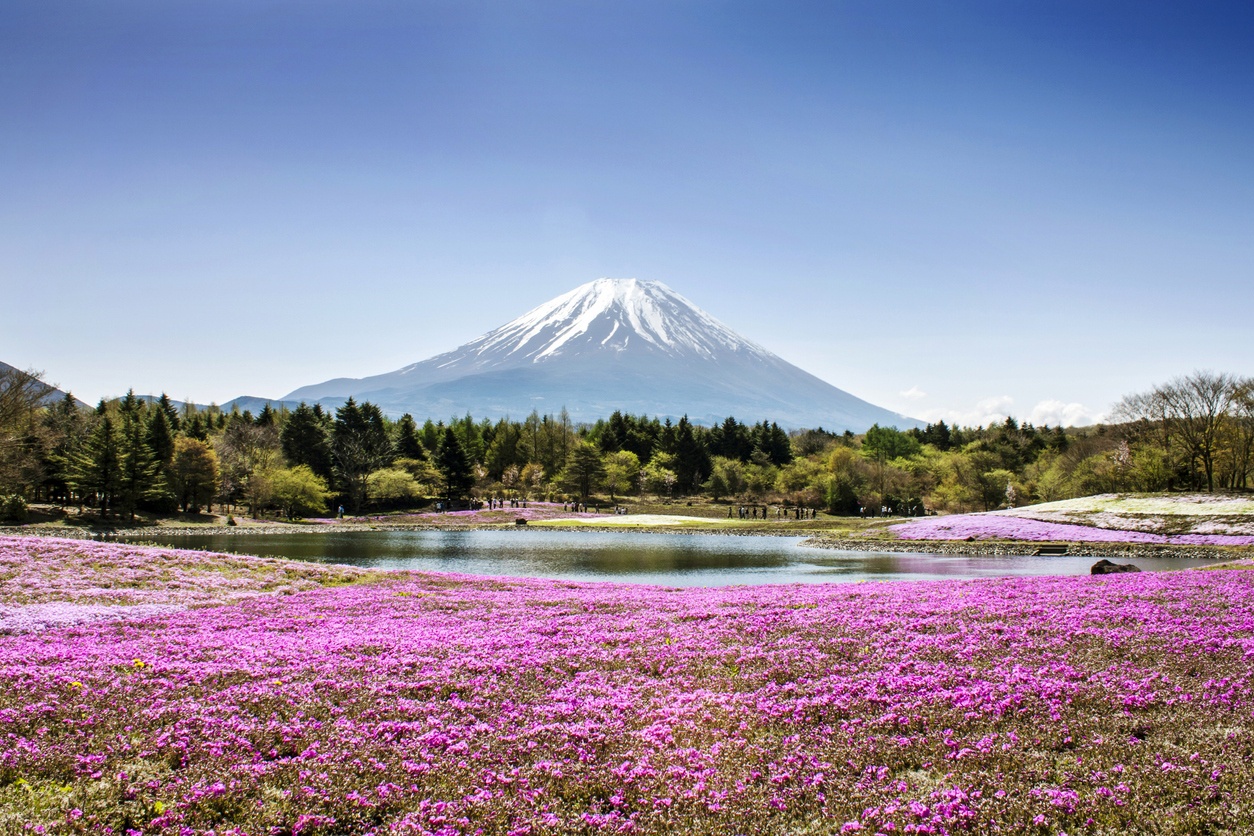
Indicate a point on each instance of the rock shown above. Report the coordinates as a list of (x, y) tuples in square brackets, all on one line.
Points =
[(1105, 567)]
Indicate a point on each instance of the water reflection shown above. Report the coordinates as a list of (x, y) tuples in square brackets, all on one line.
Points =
[(632, 557)]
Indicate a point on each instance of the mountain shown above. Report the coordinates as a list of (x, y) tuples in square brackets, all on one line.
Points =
[(244, 402), (53, 394), (612, 344)]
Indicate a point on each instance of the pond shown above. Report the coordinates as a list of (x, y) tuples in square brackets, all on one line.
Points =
[(634, 557)]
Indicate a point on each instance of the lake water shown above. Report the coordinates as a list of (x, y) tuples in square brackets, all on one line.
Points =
[(645, 558)]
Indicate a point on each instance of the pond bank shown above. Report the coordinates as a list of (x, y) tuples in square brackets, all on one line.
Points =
[(1030, 547), (812, 539)]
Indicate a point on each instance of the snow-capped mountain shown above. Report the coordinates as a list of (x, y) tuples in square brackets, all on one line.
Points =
[(625, 344)]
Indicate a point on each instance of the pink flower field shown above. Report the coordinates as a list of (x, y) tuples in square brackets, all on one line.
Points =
[(437, 704), (1003, 526)]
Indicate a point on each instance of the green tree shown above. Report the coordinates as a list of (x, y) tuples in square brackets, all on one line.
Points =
[(140, 470), (96, 470), (171, 411), (159, 437), (246, 453), (394, 485), (692, 462), (67, 428), (298, 491), (583, 470), (193, 473), (621, 469), (888, 443), (360, 445), (22, 395), (454, 466), (305, 440), (407, 445), (505, 451), (727, 477)]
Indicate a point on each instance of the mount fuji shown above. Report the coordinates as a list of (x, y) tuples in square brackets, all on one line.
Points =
[(612, 344)]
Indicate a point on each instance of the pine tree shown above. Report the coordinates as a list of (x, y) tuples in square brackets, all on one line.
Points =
[(306, 442), (194, 427), (266, 418), (407, 445), (139, 467), (431, 434), (69, 429), (171, 413), (359, 446), (160, 437), (97, 468), (692, 462), (584, 469), (160, 441), (454, 466)]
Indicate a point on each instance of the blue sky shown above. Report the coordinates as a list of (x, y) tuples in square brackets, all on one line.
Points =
[(955, 210)]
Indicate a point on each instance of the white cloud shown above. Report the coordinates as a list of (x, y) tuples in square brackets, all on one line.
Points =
[(913, 393), (992, 410), (1055, 412), (996, 409)]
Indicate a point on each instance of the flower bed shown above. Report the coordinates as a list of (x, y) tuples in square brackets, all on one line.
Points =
[(444, 704), (48, 581), (1001, 526), (1170, 514)]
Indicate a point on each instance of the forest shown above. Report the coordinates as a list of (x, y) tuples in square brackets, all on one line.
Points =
[(134, 454)]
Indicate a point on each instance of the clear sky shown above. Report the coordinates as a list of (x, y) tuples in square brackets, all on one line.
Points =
[(951, 209)]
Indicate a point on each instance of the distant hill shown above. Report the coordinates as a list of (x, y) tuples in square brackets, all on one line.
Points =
[(245, 403), (53, 395), (612, 344)]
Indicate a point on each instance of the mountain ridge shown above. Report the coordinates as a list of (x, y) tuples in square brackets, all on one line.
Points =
[(611, 344)]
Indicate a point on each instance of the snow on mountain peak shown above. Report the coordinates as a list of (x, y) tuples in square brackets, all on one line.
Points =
[(607, 314)]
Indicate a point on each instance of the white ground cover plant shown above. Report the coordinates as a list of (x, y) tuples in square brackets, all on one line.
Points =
[(1157, 513)]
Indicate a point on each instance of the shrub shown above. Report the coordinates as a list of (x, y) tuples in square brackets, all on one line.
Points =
[(13, 508)]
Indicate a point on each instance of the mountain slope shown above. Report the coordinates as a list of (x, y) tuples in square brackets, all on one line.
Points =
[(606, 345), (53, 393)]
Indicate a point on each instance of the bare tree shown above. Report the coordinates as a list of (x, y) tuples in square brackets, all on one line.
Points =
[(1191, 413), (22, 395), (1241, 445)]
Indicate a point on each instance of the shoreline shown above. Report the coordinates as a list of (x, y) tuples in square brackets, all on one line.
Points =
[(809, 538)]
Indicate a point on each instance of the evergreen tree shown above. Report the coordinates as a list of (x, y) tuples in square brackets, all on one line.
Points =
[(584, 469), (359, 445), (160, 441), (160, 437), (139, 467), (407, 445), (266, 418), (96, 470), (506, 450), (454, 466), (938, 436), (772, 442), (68, 428), (692, 462), (431, 434), (666, 439), (194, 427), (306, 442), (171, 413), (468, 435)]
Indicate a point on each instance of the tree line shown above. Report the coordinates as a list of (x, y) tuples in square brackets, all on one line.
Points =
[(132, 454)]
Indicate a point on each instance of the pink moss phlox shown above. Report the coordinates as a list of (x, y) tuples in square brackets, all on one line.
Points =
[(449, 704)]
